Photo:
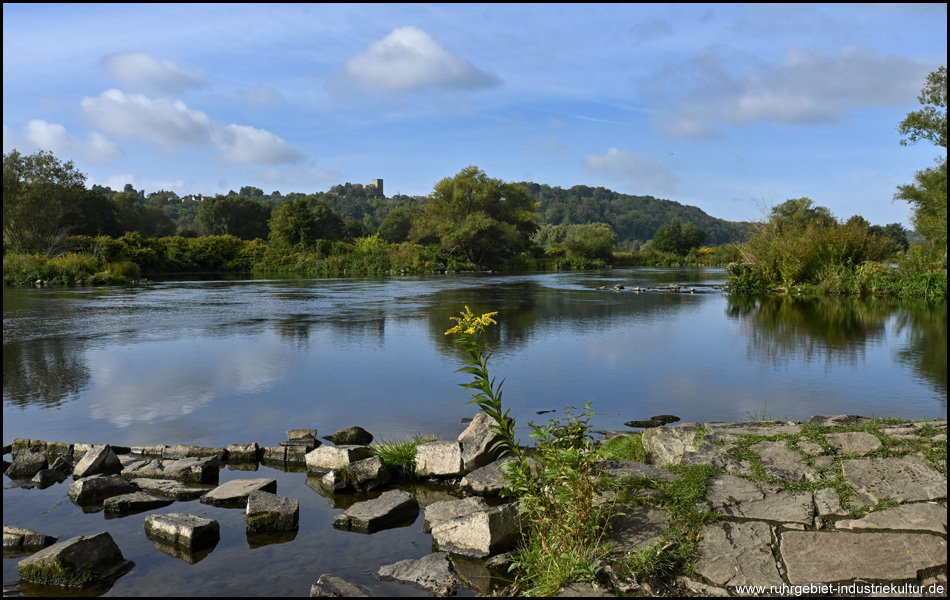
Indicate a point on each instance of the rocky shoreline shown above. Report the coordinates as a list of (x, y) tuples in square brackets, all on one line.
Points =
[(781, 522)]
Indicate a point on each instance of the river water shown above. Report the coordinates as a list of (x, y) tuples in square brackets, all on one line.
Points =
[(214, 363)]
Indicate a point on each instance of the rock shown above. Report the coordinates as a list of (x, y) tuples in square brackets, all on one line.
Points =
[(234, 493), (905, 479), (432, 572), (638, 527), (481, 533), (363, 475), (171, 488), (582, 590), (826, 557), (95, 489), (243, 453), (20, 538), (783, 462), (48, 477), (439, 459), (446, 510), (51, 450), (182, 530), (733, 554), (270, 513), (701, 589), (857, 442), (99, 460), (26, 464), (329, 586), (307, 435), (828, 504), (623, 469), (667, 445), (336, 457), (180, 451), (77, 562), (487, 481), (476, 443), (837, 420), (134, 502), (394, 508), (351, 436), (927, 516), (186, 470), (737, 497)]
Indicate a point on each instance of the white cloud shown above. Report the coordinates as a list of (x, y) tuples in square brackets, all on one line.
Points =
[(171, 124), (142, 72), (159, 121), (42, 135), (810, 86), (245, 144), (633, 167), (409, 59)]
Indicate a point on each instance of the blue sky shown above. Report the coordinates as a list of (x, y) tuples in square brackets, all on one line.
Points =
[(731, 108)]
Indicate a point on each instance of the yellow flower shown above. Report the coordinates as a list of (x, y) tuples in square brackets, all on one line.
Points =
[(469, 324)]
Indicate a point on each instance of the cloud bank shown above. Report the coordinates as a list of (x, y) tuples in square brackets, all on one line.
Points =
[(142, 72)]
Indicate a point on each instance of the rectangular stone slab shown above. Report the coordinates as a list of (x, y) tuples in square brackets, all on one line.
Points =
[(828, 557), (235, 492)]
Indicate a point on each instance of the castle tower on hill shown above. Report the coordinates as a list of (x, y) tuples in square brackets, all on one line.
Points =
[(379, 188)]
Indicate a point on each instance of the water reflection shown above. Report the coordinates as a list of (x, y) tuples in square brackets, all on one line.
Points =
[(926, 352), (782, 329), (46, 372)]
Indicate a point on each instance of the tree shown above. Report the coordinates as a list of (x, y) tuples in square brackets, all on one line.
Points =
[(928, 195), (233, 215), (801, 212), (593, 240), (678, 239), (39, 193), (478, 218), (397, 224), (301, 222), (930, 122)]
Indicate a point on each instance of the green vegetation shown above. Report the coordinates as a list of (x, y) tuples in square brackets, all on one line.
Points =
[(399, 456), (802, 246), (555, 483)]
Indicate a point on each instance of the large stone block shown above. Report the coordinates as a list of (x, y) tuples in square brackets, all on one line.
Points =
[(26, 464), (477, 441), (270, 513), (828, 557), (76, 563), (235, 492), (95, 489), (733, 554), (446, 510), (394, 508), (439, 459), (335, 457), (480, 534), (99, 460), (186, 470), (182, 530), (667, 445)]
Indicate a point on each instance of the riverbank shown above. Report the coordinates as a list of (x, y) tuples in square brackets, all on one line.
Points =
[(833, 501)]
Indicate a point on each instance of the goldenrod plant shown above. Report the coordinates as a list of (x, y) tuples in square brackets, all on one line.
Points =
[(555, 482)]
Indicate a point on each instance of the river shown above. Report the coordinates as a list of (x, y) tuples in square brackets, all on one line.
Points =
[(224, 362)]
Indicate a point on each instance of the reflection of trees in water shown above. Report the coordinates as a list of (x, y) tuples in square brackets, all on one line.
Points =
[(45, 372), (296, 329), (527, 309), (783, 328), (926, 352)]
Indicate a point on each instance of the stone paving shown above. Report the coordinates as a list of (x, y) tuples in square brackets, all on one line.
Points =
[(778, 524)]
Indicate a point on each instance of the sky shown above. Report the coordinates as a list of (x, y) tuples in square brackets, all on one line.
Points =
[(731, 108)]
